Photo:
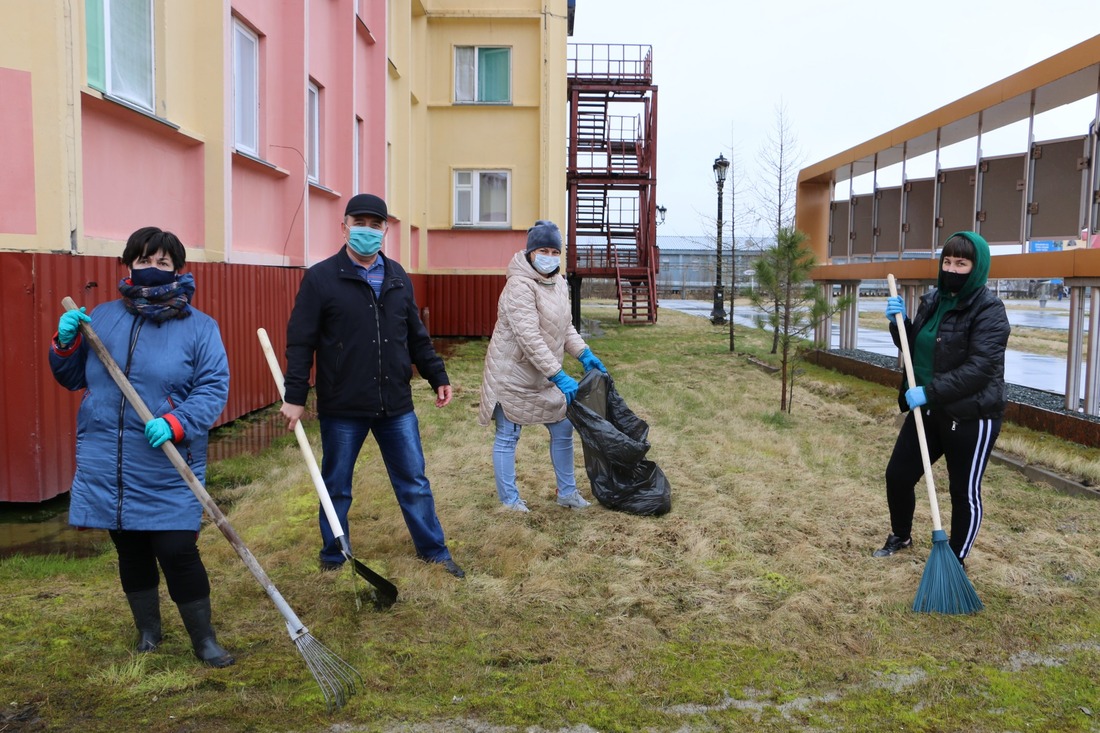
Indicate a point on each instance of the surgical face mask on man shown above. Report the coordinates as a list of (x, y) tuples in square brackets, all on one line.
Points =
[(546, 264), (365, 240)]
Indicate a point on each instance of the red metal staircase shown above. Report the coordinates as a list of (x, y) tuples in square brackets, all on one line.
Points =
[(612, 176)]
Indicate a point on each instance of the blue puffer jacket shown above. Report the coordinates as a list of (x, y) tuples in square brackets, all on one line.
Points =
[(180, 370)]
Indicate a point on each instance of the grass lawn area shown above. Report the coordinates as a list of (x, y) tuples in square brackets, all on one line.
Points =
[(754, 605)]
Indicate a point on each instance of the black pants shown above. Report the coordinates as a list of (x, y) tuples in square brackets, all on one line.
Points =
[(176, 551), (966, 445)]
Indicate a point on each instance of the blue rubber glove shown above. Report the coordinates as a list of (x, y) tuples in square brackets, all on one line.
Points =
[(69, 324), (566, 384), (915, 397), (894, 306), (589, 361), (158, 432)]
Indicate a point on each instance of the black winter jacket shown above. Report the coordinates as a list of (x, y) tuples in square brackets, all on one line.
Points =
[(968, 365), (365, 346)]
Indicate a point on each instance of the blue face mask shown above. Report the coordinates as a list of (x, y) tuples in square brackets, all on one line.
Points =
[(546, 264), (364, 240), (151, 277)]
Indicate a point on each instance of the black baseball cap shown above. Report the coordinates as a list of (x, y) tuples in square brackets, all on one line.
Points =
[(366, 203)]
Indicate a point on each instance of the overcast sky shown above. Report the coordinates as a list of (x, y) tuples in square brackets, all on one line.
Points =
[(845, 71)]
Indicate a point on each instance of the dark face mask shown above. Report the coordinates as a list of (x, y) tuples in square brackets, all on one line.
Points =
[(151, 277), (953, 282)]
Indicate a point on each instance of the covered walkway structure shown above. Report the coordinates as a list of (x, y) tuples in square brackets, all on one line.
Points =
[(1049, 190)]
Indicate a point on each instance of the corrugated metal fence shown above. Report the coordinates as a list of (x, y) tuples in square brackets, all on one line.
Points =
[(38, 417)]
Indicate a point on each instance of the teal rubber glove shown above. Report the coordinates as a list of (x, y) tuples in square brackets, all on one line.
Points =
[(894, 306), (158, 432), (566, 384), (69, 325), (915, 397), (589, 361)]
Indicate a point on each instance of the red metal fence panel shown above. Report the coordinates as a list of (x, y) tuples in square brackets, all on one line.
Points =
[(38, 417)]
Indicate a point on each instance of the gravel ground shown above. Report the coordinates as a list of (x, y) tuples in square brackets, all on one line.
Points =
[(1022, 395)]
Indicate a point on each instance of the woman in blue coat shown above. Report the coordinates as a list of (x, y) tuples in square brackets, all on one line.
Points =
[(173, 356)]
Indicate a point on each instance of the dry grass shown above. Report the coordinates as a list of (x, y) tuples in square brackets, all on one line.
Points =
[(754, 605)]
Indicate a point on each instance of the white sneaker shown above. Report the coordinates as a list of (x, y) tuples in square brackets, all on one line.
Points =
[(573, 501), (518, 506)]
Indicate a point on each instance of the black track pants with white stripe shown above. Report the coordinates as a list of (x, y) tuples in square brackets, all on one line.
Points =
[(966, 445)]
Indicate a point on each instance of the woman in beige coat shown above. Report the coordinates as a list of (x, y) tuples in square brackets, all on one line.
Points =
[(523, 382)]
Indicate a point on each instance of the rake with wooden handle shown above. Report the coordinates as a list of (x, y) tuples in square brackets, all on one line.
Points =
[(338, 679), (385, 591)]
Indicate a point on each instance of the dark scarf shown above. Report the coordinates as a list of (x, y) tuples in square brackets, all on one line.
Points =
[(160, 303)]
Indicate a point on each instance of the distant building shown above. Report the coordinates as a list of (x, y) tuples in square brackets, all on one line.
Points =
[(687, 265)]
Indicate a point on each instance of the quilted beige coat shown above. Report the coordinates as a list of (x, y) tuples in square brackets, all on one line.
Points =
[(534, 330)]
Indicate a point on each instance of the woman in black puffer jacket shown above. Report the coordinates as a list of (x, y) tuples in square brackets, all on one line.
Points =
[(957, 341)]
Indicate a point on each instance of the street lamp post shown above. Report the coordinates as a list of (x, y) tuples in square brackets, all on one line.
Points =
[(718, 314)]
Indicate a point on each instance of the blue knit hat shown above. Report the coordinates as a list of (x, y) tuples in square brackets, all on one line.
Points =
[(543, 234)]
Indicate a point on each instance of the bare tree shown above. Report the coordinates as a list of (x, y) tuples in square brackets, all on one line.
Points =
[(779, 160)]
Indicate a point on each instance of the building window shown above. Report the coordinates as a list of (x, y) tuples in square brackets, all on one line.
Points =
[(483, 74), (120, 49), (314, 142), (246, 90), (482, 198)]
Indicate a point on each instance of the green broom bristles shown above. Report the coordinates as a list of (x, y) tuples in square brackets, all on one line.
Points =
[(944, 587)]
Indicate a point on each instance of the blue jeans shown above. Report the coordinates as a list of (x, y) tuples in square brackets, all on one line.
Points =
[(398, 440), (504, 456)]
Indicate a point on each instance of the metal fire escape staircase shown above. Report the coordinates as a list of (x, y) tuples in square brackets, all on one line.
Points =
[(612, 176)]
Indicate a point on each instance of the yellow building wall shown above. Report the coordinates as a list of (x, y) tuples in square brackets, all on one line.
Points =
[(526, 137), (39, 38)]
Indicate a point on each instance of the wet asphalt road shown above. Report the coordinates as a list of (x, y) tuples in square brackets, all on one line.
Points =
[(1047, 373)]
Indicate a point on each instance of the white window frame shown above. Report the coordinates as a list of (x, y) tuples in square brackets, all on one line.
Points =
[(472, 97), (246, 92), (148, 103), (473, 189), (313, 126)]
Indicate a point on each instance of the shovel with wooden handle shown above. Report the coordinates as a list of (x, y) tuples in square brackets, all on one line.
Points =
[(386, 594), (338, 679)]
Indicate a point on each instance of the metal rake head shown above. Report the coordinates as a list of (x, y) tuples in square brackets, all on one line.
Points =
[(338, 679)]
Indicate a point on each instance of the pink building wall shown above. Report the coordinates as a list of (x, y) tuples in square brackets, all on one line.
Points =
[(17, 199), (479, 249), (268, 205), (138, 172), (370, 95)]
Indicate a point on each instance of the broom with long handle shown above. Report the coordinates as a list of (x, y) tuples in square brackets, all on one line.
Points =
[(338, 679), (944, 587), (385, 591)]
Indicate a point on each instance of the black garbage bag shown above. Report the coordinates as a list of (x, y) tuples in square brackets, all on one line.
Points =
[(615, 445)]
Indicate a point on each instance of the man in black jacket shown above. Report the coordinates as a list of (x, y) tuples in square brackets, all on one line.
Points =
[(355, 313)]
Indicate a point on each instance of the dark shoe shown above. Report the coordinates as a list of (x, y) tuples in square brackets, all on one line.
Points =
[(328, 566), (196, 617), (452, 567), (145, 605), (893, 544)]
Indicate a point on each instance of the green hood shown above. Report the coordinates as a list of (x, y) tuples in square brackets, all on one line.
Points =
[(980, 274)]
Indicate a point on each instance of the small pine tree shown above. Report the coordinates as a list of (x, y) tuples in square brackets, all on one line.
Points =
[(791, 303)]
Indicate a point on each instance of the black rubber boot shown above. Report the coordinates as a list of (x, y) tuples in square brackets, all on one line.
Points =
[(196, 617), (145, 605)]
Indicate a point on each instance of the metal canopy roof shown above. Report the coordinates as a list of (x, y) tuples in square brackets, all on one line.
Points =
[(1065, 78)]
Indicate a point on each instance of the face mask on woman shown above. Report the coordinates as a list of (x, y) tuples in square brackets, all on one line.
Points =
[(546, 264), (151, 277), (364, 240), (953, 282)]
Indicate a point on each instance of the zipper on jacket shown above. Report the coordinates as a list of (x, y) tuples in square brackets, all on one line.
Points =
[(135, 329), (378, 335)]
